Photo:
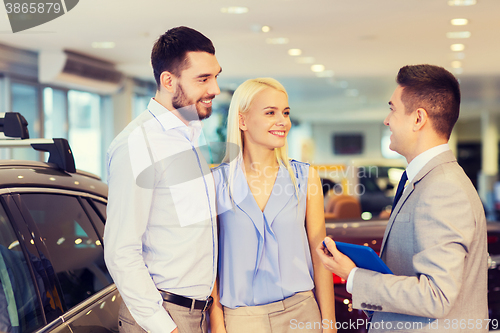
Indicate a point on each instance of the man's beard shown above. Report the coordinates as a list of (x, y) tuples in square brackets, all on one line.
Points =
[(189, 111)]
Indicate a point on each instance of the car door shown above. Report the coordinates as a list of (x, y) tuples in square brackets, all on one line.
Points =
[(21, 306), (67, 232)]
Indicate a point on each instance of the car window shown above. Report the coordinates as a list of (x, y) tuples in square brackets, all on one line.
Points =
[(74, 248), (101, 207), (98, 222), (20, 310)]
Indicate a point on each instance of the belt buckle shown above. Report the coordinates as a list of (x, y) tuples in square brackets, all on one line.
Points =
[(208, 303)]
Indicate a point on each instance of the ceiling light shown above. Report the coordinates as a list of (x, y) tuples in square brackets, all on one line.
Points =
[(457, 47), (461, 2), (295, 52), (458, 34), (305, 60), (328, 73), (279, 40), (317, 68), (459, 21), (456, 64), (266, 28), (103, 45), (234, 10)]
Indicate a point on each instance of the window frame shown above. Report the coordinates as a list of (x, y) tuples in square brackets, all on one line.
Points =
[(23, 236), (14, 196)]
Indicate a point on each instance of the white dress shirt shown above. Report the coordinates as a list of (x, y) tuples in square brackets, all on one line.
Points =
[(412, 170), (161, 218)]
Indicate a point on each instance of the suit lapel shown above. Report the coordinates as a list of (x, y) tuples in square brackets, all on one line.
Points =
[(445, 157), (406, 193)]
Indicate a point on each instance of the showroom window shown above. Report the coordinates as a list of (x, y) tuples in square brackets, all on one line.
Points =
[(25, 100), (140, 104), (85, 130), (55, 113)]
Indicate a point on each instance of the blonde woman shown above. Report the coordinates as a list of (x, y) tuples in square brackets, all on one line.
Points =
[(270, 218)]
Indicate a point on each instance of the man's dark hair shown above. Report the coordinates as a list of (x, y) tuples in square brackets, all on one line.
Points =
[(169, 51), (434, 89)]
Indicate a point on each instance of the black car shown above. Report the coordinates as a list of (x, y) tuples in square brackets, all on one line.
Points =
[(52, 271)]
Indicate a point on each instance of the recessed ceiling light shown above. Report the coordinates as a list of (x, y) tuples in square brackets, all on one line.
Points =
[(295, 52), (279, 40), (317, 68), (457, 47), (328, 73), (234, 10), (266, 28), (461, 2), (305, 60), (459, 21), (458, 34), (456, 64), (103, 45)]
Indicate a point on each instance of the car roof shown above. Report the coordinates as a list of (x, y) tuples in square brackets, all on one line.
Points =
[(22, 174)]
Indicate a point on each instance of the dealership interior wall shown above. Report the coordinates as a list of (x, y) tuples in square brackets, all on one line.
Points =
[(89, 110)]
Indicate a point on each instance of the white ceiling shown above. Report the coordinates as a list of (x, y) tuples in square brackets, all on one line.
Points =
[(364, 42)]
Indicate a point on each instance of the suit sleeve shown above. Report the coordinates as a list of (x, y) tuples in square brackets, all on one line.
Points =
[(443, 228)]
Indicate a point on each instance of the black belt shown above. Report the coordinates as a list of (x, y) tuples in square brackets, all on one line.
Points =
[(185, 301)]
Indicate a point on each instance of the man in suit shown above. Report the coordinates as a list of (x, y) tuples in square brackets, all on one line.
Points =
[(435, 242)]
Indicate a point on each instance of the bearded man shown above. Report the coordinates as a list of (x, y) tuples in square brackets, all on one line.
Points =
[(161, 234)]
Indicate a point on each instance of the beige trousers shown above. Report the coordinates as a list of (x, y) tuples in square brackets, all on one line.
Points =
[(298, 313), (187, 321)]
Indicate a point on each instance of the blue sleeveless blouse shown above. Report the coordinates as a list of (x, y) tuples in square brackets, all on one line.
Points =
[(264, 257)]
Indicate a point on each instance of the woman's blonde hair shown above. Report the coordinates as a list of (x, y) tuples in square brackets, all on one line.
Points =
[(240, 103)]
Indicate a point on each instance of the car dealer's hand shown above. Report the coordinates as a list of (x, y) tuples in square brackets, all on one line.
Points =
[(335, 261)]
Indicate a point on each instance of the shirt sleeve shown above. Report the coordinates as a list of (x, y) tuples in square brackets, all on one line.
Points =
[(129, 205), (350, 280)]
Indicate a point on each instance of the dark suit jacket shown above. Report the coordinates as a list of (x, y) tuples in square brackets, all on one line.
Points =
[(436, 246)]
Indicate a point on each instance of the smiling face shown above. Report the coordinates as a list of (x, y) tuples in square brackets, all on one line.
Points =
[(267, 121), (197, 86), (401, 125)]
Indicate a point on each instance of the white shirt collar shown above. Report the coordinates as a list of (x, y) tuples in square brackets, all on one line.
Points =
[(170, 121), (421, 160)]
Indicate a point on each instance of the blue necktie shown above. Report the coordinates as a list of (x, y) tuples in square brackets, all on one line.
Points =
[(399, 191)]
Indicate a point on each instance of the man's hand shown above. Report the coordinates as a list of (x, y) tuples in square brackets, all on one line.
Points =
[(335, 261)]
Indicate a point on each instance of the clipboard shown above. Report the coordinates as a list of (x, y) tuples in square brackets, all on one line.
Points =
[(363, 257)]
